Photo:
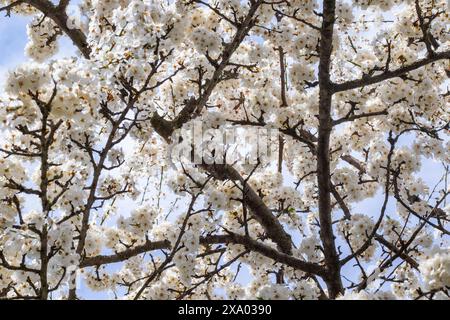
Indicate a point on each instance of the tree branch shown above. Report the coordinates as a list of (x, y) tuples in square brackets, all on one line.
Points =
[(59, 16), (369, 80), (333, 278)]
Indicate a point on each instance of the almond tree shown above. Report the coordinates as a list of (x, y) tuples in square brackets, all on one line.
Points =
[(91, 191)]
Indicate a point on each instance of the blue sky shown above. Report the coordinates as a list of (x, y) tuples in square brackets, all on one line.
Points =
[(13, 39)]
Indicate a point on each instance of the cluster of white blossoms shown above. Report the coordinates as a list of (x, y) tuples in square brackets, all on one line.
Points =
[(306, 290), (344, 12), (43, 34), (88, 175), (382, 4), (139, 222), (363, 295), (347, 178), (357, 231), (407, 283), (273, 292), (436, 271), (310, 248), (27, 77), (205, 40), (300, 73), (10, 170), (21, 8), (100, 280)]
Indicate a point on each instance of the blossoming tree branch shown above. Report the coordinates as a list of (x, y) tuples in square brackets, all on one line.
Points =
[(92, 195)]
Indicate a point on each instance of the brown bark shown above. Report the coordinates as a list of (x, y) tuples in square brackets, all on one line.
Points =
[(333, 278)]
